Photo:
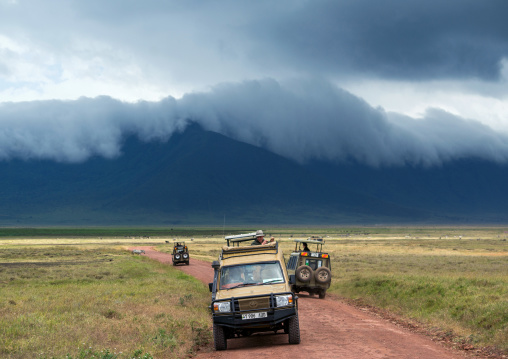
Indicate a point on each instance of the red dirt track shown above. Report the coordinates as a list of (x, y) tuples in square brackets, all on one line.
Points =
[(329, 328)]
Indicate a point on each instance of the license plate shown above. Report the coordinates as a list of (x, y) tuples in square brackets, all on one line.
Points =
[(314, 254), (254, 315)]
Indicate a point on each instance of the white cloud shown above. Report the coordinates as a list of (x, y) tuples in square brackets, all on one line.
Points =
[(449, 55), (300, 119)]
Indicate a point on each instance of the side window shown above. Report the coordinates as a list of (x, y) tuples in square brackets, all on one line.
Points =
[(292, 262)]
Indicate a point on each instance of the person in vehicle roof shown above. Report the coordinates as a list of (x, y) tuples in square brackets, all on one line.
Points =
[(260, 239)]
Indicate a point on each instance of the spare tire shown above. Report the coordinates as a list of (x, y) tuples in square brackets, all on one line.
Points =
[(303, 273), (177, 256), (185, 256), (323, 275)]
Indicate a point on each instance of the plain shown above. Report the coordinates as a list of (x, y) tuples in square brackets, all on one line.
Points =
[(67, 296)]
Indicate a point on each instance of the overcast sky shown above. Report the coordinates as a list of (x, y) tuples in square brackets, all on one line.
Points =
[(385, 82)]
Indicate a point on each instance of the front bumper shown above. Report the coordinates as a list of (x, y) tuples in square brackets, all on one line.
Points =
[(274, 316)]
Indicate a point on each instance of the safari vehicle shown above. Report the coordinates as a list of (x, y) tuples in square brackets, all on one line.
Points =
[(311, 270), (180, 253), (251, 292)]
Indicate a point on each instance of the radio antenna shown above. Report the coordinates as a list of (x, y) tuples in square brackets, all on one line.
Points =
[(224, 226)]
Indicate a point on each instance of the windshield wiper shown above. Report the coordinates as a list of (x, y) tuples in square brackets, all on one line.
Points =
[(273, 281), (243, 285)]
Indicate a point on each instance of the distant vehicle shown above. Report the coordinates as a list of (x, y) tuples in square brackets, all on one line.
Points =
[(251, 292), (311, 269), (180, 253)]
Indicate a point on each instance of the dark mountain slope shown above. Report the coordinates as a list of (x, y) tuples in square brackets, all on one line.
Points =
[(200, 177), (469, 190), (195, 177), (204, 174)]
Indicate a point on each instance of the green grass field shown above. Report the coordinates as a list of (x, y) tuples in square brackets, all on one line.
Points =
[(76, 294), (97, 302)]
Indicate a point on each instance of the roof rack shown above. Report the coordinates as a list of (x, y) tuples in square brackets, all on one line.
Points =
[(228, 252), (316, 240), (311, 240), (238, 238)]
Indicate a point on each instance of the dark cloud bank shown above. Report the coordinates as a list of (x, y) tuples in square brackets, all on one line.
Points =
[(302, 120)]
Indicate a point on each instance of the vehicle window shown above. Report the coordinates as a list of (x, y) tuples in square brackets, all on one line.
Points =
[(314, 263), (292, 262), (250, 274)]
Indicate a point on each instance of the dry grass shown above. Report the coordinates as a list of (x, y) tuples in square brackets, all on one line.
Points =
[(452, 280), (103, 298), (91, 293)]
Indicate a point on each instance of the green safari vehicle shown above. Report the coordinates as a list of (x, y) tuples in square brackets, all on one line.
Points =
[(310, 270)]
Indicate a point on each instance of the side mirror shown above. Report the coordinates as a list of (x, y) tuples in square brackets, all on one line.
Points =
[(210, 286), (215, 265)]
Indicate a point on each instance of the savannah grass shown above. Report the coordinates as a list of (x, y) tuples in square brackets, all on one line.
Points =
[(459, 286), (97, 302), (449, 280), (453, 280)]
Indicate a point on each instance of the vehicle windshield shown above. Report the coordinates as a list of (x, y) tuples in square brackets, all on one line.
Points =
[(250, 274)]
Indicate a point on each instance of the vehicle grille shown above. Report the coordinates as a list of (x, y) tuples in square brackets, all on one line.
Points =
[(254, 303)]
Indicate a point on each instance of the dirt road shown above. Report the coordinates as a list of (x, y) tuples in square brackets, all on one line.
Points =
[(329, 329)]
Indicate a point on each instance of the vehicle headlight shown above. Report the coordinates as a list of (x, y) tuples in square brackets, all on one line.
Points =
[(284, 300), (222, 307)]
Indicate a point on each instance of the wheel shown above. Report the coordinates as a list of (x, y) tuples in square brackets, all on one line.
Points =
[(294, 330), (323, 275), (177, 257), (303, 273), (187, 262), (219, 338), (185, 256), (322, 294)]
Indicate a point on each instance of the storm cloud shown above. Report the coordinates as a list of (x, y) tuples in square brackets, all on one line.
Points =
[(173, 47), (386, 83), (302, 119)]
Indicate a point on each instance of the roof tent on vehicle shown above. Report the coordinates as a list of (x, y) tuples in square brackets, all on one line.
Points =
[(238, 238), (233, 248)]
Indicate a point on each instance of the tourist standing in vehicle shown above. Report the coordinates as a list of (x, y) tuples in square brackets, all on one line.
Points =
[(260, 239)]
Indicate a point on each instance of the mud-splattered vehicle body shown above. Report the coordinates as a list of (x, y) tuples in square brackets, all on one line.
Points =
[(251, 292)]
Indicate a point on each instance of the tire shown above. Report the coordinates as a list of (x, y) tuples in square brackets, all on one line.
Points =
[(219, 338), (185, 256), (322, 294), (303, 273), (187, 262), (323, 275), (294, 330), (177, 257)]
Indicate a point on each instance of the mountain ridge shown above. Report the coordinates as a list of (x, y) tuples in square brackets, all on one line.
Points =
[(201, 177)]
